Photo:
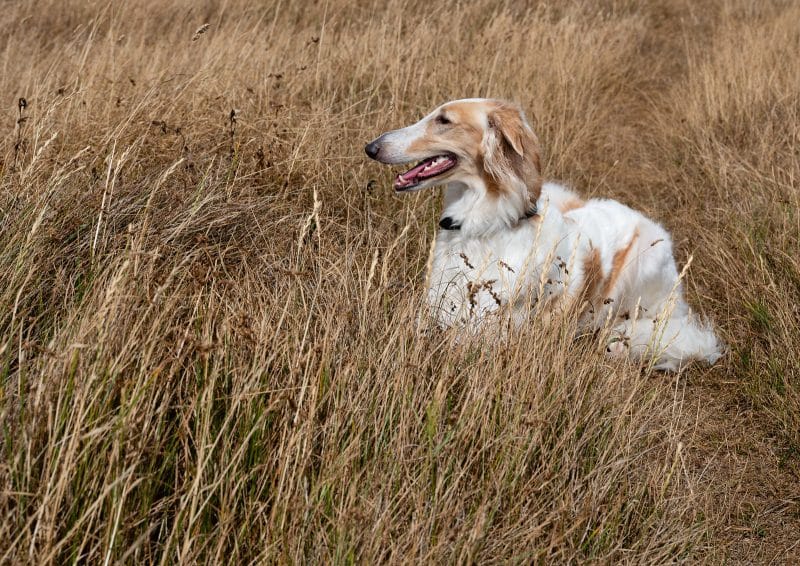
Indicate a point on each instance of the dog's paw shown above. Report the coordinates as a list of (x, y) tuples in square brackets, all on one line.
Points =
[(617, 346)]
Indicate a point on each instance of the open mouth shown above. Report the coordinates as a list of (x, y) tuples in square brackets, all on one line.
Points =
[(424, 170)]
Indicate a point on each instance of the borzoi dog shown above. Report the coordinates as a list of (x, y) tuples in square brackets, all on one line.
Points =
[(510, 243)]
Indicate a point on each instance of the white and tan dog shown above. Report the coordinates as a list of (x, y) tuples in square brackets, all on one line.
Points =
[(509, 243)]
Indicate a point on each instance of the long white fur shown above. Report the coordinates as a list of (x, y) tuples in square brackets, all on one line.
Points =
[(501, 261)]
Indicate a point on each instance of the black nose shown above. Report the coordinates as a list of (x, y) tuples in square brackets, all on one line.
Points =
[(372, 150)]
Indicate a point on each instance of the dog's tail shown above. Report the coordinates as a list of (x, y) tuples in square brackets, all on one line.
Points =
[(675, 342)]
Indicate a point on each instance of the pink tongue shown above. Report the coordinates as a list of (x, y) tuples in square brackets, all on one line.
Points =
[(411, 174), (423, 171)]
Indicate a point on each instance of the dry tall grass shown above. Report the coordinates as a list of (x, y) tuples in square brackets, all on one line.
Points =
[(207, 351)]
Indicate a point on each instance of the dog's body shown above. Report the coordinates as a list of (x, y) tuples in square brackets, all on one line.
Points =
[(509, 243)]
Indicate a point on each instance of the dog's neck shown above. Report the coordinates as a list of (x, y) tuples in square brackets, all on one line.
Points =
[(447, 223), (470, 210)]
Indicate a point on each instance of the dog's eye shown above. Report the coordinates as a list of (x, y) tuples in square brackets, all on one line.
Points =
[(442, 119)]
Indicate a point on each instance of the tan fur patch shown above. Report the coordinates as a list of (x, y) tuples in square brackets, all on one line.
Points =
[(465, 131), (493, 188), (461, 113), (521, 146), (592, 274), (571, 204), (507, 120), (420, 145), (617, 265)]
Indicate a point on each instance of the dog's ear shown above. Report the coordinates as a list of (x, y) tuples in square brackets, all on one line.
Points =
[(510, 148), (508, 122)]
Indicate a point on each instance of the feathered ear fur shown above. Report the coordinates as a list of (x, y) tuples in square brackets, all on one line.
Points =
[(511, 152)]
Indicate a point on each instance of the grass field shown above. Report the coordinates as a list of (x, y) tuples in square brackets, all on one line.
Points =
[(207, 341)]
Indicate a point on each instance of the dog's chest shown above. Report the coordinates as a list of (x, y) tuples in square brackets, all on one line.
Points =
[(471, 278)]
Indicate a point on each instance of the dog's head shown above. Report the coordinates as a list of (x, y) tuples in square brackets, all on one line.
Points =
[(484, 145)]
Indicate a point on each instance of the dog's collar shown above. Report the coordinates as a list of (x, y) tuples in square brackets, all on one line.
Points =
[(447, 223)]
